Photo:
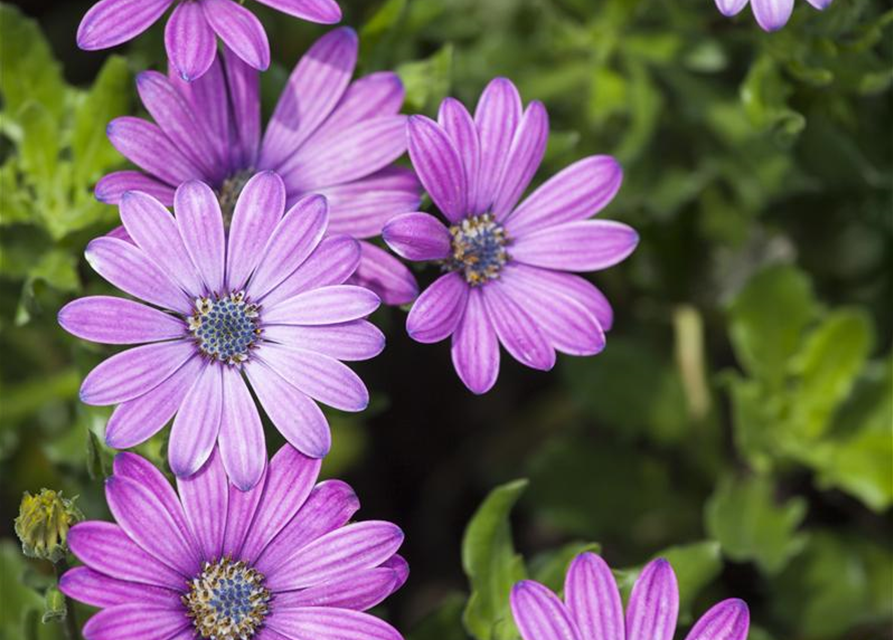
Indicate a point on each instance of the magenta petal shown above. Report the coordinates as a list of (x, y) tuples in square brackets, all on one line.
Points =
[(589, 245), (112, 320), (439, 166), (438, 311), (352, 341), (99, 590), (525, 155), (540, 615), (290, 479), (137, 621), (205, 497), (358, 592), (654, 603), (418, 237), (726, 620), (320, 11), (460, 127), (298, 418), (385, 275), (201, 228), (111, 187), (323, 306), (475, 349), (593, 599), (324, 623), (208, 101), (190, 41), (517, 330), (572, 286), (242, 444), (146, 146), (197, 422), (111, 22), (240, 29), (772, 14), (332, 262), (258, 210), (243, 83), (132, 373), (400, 566), (243, 506), (497, 116)]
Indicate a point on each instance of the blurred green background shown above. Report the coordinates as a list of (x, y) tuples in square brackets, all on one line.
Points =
[(740, 420)]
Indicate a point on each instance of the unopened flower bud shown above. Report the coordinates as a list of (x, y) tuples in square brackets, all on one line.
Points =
[(43, 524)]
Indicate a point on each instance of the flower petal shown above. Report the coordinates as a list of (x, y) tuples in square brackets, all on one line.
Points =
[(496, 117), (99, 590), (242, 445), (190, 41), (517, 330), (258, 210), (325, 305), (593, 599), (136, 621), (201, 227), (439, 310), (146, 146), (772, 14), (208, 96), (540, 615), (572, 286), (112, 186), (332, 262), (385, 275), (197, 422), (589, 245), (322, 378), (319, 11), (111, 22), (418, 237), (324, 623), (112, 320), (358, 592), (726, 620), (525, 156), (460, 127), (351, 341), (243, 506), (205, 497), (475, 349), (730, 7), (439, 166), (240, 29), (243, 82), (654, 603)]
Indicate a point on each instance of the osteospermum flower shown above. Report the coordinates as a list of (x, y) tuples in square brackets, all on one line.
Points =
[(277, 562), (263, 302), (507, 264), (327, 136), (770, 14), (592, 608), (190, 36)]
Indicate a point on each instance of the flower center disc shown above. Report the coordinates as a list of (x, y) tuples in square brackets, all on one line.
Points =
[(478, 249), (227, 601), (226, 328)]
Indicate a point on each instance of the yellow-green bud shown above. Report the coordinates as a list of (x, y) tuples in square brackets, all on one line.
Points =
[(43, 524)]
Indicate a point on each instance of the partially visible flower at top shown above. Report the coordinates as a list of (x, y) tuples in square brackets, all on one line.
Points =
[(328, 135), (592, 608), (190, 36), (278, 562), (771, 15), (507, 263), (43, 524), (265, 300)]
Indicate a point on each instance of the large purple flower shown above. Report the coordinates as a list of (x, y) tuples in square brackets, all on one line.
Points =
[(327, 135), (279, 562), (190, 36), (506, 263), (771, 15), (592, 608), (264, 300)]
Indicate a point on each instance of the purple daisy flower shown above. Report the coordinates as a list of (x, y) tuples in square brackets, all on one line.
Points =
[(328, 135), (265, 299), (770, 14), (279, 562), (592, 608), (507, 264), (190, 36)]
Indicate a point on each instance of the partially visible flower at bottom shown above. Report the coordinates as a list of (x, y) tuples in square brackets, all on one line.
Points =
[(592, 608), (278, 562), (771, 15)]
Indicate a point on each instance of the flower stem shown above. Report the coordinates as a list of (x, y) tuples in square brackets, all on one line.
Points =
[(71, 625)]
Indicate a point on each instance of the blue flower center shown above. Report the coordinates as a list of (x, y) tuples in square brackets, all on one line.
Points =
[(479, 249), (225, 328), (227, 601)]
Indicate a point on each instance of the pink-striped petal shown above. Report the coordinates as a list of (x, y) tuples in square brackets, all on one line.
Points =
[(726, 620), (418, 237), (475, 349), (517, 330), (240, 30), (326, 305), (190, 41), (439, 310), (593, 599), (242, 443), (205, 497), (358, 592), (112, 320), (258, 210), (589, 245), (320, 11), (524, 157), (439, 166), (546, 282), (496, 117), (351, 341), (208, 96), (243, 506), (322, 378), (654, 603), (99, 590), (324, 623), (460, 127), (136, 621), (197, 422), (332, 262), (382, 273), (146, 146), (243, 82), (540, 615), (112, 187), (201, 227), (111, 22)]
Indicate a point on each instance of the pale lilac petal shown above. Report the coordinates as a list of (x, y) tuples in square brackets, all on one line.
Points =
[(258, 210), (821, 5), (384, 274), (568, 325), (112, 320), (772, 14), (730, 7), (726, 620), (517, 330), (132, 373), (654, 603), (496, 117), (572, 286), (242, 444), (295, 237), (298, 418), (418, 237), (153, 229), (525, 155), (589, 245), (358, 592), (576, 193), (332, 262), (207, 98), (314, 89), (99, 590), (475, 349), (135, 421), (326, 305), (136, 621), (460, 127), (593, 599), (540, 615), (338, 554), (439, 310), (146, 146), (330, 505), (439, 166), (111, 187), (104, 547), (322, 378), (361, 208), (243, 82), (189, 41), (240, 30), (243, 506), (290, 480), (352, 341), (130, 269), (205, 497), (201, 227), (197, 422), (324, 623), (111, 22), (320, 11)]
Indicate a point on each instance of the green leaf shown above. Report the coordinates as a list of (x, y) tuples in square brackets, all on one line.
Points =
[(746, 520), (491, 564), (427, 82), (764, 95), (40, 146), (445, 623), (19, 601)]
